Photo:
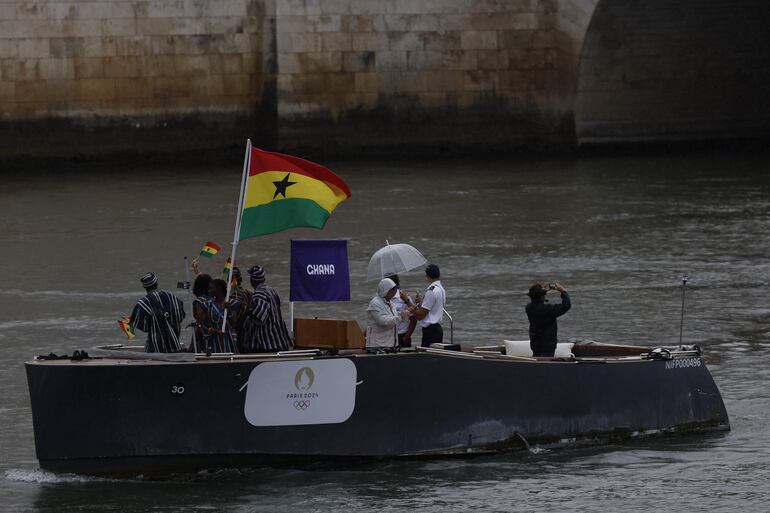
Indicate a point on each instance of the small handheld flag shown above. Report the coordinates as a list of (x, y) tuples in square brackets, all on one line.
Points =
[(125, 325), (210, 249), (228, 266)]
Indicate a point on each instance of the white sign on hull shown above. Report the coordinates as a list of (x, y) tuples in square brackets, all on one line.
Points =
[(301, 393)]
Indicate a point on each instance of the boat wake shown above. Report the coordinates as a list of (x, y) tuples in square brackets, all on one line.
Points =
[(43, 477)]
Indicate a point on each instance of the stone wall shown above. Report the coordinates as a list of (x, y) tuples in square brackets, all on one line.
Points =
[(405, 73), (114, 68), (386, 76)]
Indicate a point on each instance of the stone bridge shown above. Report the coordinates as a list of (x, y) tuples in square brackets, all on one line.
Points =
[(356, 76)]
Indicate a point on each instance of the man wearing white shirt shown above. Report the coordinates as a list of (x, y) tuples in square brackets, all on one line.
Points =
[(431, 311)]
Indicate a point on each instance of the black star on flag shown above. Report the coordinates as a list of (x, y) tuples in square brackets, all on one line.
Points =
[(281, 186)]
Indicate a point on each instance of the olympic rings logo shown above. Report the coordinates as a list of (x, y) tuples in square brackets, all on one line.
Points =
[(302, 405)]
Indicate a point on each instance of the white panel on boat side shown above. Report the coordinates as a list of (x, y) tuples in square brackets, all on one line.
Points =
[(301, 393)]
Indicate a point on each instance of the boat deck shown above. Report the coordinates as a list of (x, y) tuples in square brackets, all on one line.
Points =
[(580, 352)]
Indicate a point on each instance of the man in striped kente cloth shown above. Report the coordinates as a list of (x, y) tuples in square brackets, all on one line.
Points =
[(160, 315), (263, 329)]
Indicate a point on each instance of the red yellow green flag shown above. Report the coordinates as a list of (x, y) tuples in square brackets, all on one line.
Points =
[(228, 266), (125, 325), (287, 192), (210, 249)]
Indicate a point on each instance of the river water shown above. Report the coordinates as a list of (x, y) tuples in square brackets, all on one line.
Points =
[(619, 233)]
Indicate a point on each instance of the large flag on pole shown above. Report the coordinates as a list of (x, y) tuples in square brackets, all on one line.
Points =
[(283, 192)]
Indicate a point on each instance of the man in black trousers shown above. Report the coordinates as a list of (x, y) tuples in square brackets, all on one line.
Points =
[(542, 318)]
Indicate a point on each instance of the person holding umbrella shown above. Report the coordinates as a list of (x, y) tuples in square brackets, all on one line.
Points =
[(400, 302)]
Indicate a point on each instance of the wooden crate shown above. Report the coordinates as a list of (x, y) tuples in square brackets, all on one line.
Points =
[(327, 333)]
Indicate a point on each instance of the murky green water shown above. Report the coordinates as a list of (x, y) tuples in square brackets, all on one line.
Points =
[(618, 232)]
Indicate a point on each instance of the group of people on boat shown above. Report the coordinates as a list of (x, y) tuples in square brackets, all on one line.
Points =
[(251, 321), (392, 315), (246, 322)]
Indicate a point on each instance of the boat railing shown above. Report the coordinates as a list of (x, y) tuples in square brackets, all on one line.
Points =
[(451, 327), (300, 353), (644, 353), (447, 352)]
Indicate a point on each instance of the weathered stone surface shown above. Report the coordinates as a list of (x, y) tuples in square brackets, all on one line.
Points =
[(32, 48), (478, 40), (341, 83), (34, 91), (424, 60), (20, 70), (366, 83), (358, 61), (55, 69), (121, 67), (336, 42), (95, 89), (289, 70), (88, 67), (370, 41), (124, 58), (299, 42), (133, 88), (390, 61), (119, 27)]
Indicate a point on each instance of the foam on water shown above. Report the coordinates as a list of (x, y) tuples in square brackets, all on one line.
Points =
[(43, 477)]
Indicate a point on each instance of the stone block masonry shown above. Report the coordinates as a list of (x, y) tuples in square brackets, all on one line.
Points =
[(386, 76), (132, 72), (423, 73)]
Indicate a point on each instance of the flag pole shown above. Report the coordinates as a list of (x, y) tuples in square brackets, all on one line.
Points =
[(192, 304), (237, 231), (291, 317), (187, 277)]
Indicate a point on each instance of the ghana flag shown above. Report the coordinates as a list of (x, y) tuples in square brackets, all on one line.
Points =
[(210, 249), (287, 192), (125, 325)]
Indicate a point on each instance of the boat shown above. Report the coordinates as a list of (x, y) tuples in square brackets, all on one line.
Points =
[(116, 410)]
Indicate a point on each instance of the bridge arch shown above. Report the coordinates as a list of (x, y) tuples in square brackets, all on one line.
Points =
[(656, 70)]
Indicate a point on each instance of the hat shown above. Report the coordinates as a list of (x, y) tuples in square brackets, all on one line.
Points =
[(432, 271), (384, 286), (536, 291), (236, 272), (256, 273), (149, 280)]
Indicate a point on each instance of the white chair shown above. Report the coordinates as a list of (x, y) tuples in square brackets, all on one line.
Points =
[(521, 348)]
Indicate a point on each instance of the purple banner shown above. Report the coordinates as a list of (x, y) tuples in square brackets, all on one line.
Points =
[(319, 270)]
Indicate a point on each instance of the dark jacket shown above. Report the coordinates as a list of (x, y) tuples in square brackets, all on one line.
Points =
[(542, 323)]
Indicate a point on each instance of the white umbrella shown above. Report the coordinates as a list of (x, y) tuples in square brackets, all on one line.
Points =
[(393, 259)]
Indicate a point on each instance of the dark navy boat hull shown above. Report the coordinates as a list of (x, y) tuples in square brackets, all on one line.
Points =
[(113, 417)]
